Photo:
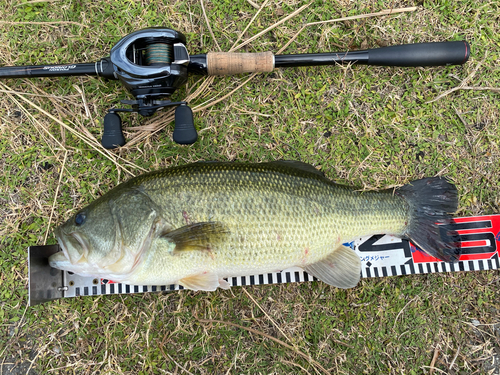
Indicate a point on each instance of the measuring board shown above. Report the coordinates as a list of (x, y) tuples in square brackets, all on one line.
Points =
[(381, 255)]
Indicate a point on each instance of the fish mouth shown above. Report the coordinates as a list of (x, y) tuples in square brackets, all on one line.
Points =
[(73, 245)]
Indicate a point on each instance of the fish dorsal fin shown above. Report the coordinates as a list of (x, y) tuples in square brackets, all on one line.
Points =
[(197, 236), (341, 269), (298, 165)]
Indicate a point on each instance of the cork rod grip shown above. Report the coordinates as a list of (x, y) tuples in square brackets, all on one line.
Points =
[(229, 63)]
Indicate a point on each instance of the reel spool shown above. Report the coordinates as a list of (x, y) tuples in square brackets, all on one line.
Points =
[(151, 63)]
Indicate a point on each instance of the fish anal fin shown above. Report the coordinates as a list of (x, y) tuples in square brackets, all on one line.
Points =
[(197, 236), (341, 269), (206, 281)]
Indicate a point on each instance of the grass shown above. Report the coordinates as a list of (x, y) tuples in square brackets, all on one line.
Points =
[(368, 126)]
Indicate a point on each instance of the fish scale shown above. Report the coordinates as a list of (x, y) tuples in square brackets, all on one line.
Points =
[(197, 224), (258, 205)]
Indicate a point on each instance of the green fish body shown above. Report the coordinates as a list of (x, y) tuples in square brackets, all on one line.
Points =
[(197, 224)]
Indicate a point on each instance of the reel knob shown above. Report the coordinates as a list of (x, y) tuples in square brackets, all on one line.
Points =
[(112, 136), (184, 131)]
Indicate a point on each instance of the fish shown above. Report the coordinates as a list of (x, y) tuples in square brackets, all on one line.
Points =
[(198, 224)]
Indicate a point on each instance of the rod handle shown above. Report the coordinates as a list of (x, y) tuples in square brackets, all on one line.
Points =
[(230, 63), (421, 54)]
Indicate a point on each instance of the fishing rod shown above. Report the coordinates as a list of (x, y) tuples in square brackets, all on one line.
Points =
[(152, 63)]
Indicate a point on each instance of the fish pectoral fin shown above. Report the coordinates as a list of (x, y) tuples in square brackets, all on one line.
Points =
[(208, 281), (341, 269), (197, 236)]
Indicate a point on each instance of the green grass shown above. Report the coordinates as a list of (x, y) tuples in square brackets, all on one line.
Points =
[(368, 126)]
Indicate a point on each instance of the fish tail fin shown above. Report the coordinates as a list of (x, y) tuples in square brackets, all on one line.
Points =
[(432, 201)]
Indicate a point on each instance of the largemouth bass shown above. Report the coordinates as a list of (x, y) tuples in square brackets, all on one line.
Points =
[(196, 224)]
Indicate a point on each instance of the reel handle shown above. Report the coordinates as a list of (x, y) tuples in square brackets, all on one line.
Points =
[(184, 131), (112, 135)]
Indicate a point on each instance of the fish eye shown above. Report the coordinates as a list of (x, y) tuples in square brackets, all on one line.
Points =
[(80, 218)]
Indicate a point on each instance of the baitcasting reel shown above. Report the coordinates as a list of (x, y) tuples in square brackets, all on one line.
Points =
[(152, 63)]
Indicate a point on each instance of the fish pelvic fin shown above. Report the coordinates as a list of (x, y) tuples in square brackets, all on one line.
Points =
[(432, 201), (198, 236), (207, 281), (341, 269)]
